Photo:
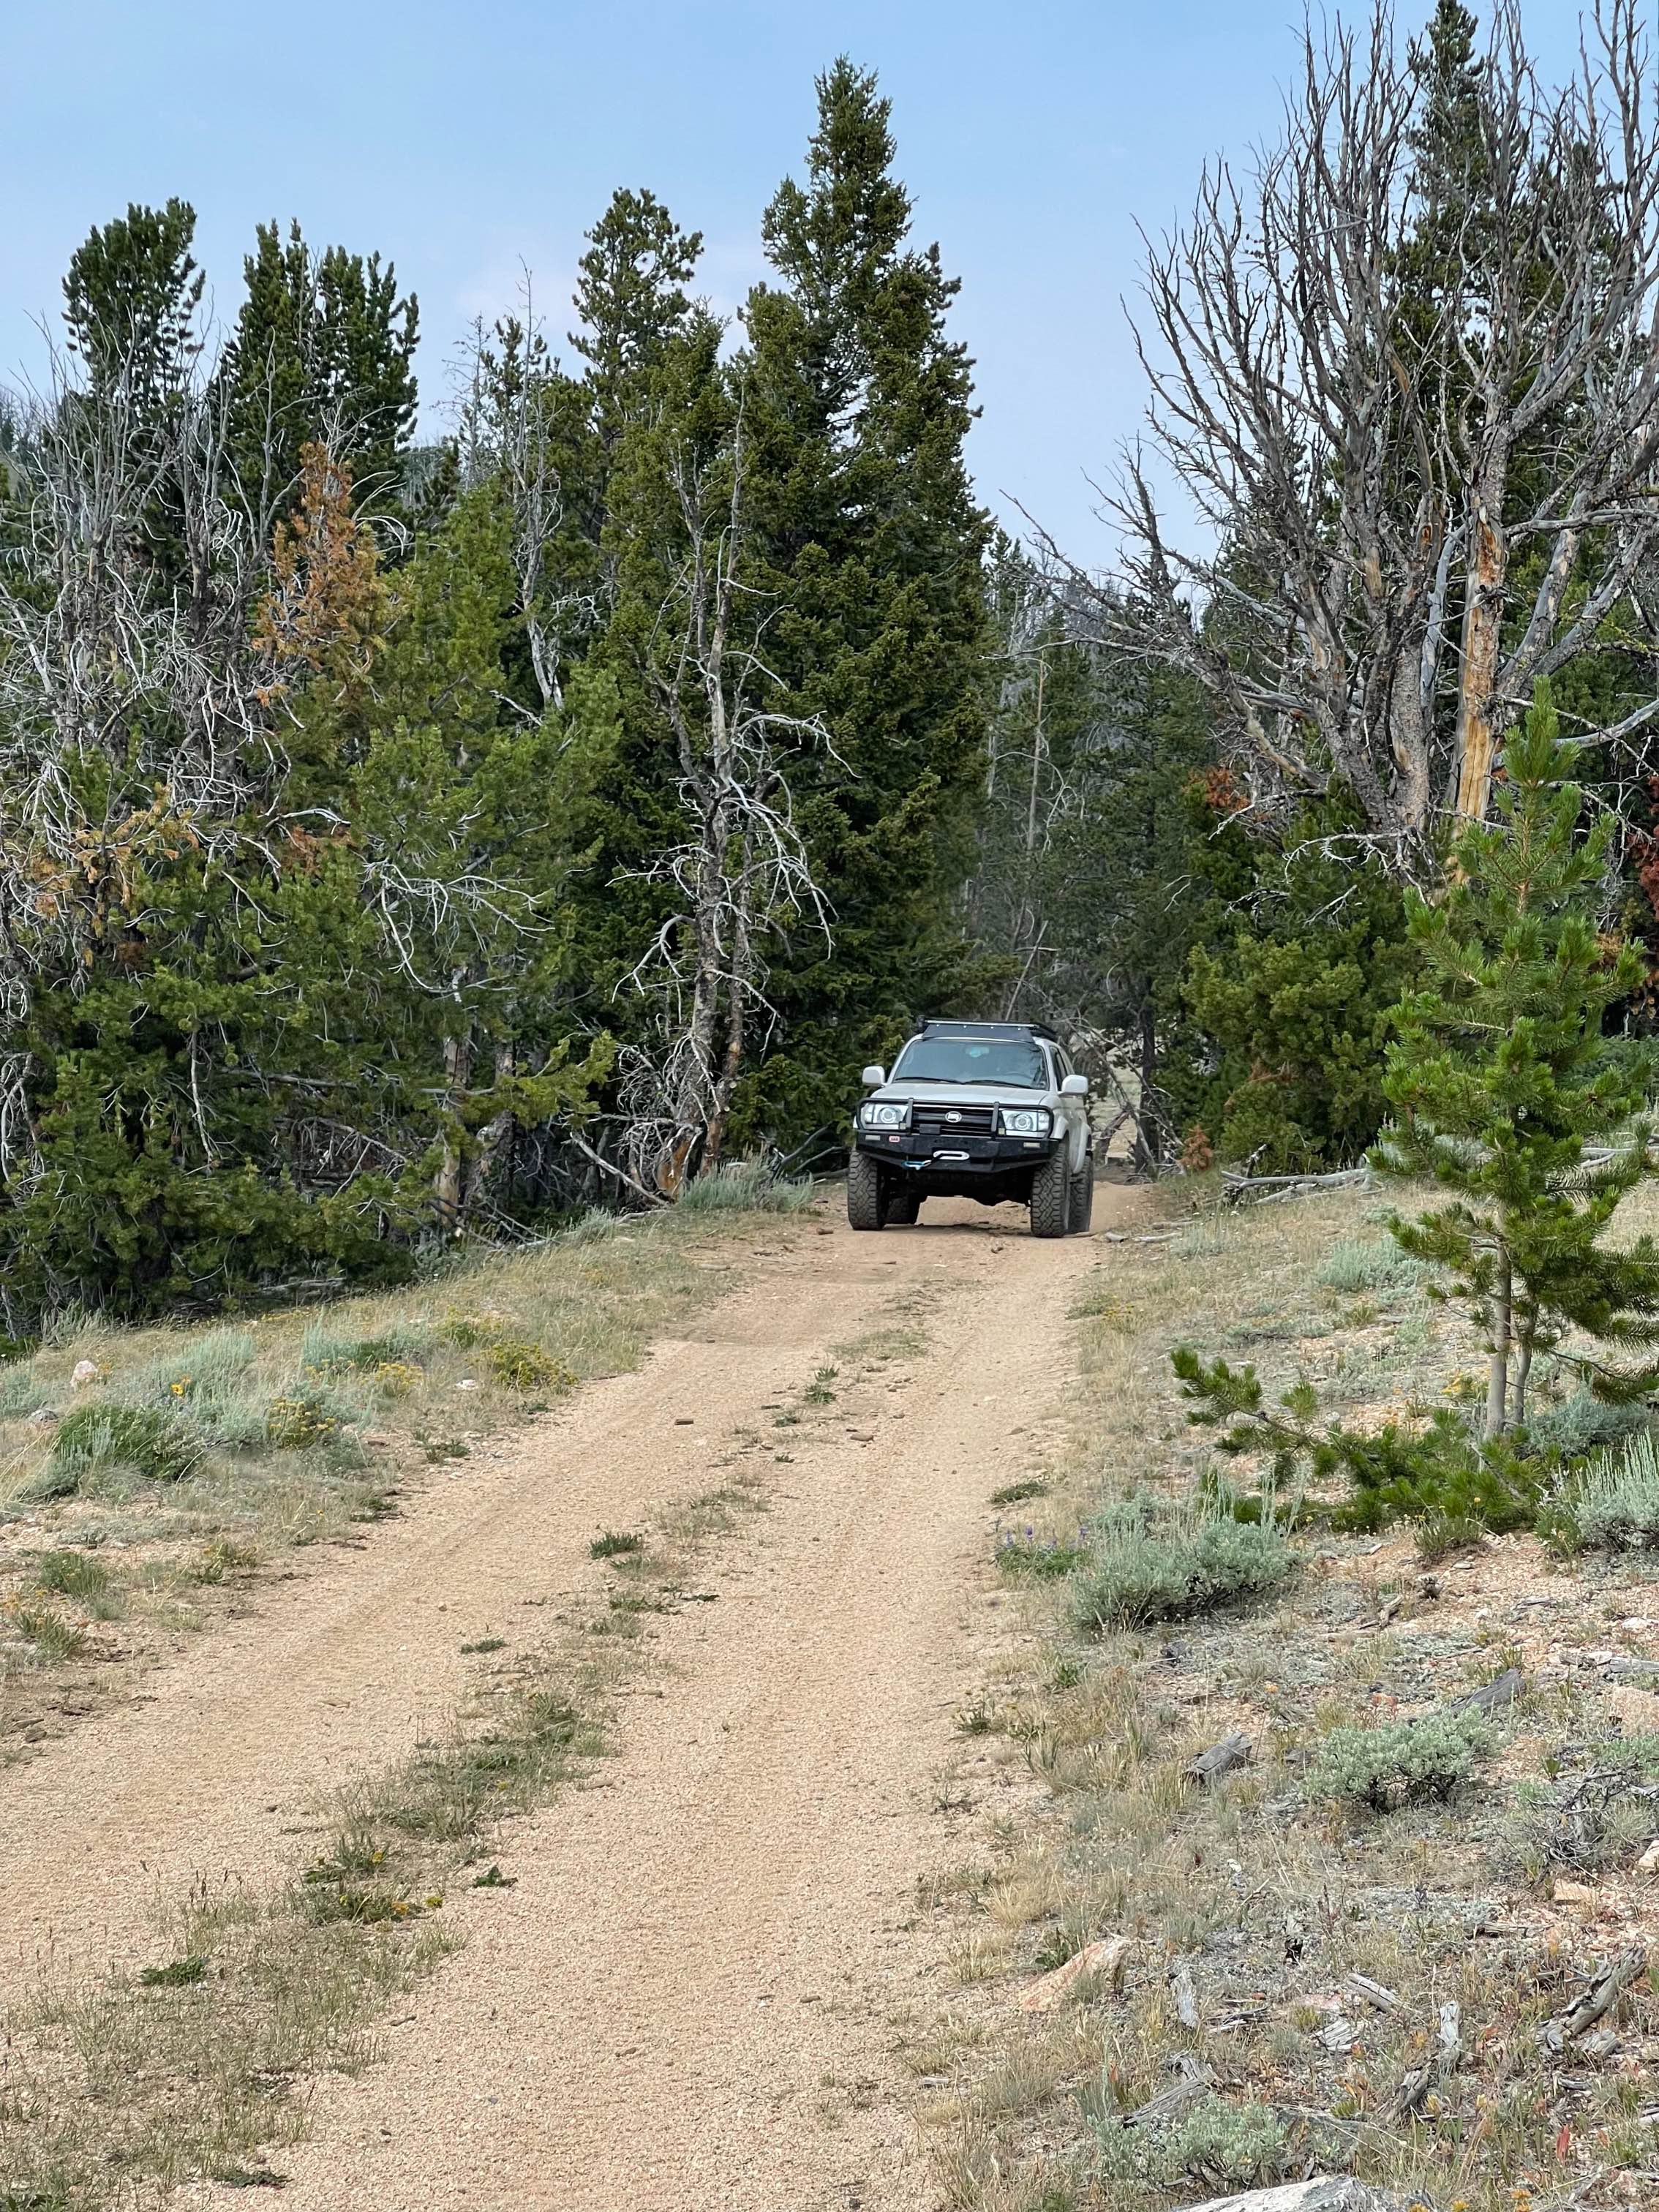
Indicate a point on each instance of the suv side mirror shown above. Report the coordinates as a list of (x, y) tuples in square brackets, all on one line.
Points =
[(874, 1078), (1074, 1086)]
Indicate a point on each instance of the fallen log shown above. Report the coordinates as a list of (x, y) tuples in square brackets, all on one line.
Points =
[(1104, 1962), (1267, 1190), (1324, 2193), (1233, 1751), (1493, 1697), (1434, 2071), (1567, 2027), (1197, 2080)]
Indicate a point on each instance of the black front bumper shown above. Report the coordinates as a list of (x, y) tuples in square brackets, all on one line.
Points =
[(925, 1153)]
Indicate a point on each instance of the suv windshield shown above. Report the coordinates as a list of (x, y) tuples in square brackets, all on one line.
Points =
[(1013, 1060)]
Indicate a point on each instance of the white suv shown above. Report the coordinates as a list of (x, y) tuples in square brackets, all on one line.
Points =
[(990, 1110)]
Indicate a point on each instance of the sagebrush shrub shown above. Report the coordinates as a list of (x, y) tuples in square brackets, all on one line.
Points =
[(1217, 2142), (1369, 1263), (1584, 1423), (1186, 1560), (1588, 1819), (152, 1442), (1399, 1762), (1613, 1506)]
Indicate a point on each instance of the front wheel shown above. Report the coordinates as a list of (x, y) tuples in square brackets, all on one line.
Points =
[(1051, 1197), (1082, 1196), (864, 1197), (901, 1209)]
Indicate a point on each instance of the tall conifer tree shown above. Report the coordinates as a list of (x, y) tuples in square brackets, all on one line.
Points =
[(870, 541), (323, 350)]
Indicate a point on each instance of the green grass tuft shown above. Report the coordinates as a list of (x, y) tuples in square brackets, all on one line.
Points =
[(746, 1186)]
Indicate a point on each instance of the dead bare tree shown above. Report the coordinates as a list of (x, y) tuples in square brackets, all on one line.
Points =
[(1418, 417), (523, 423), (131, 725), (743, 871)]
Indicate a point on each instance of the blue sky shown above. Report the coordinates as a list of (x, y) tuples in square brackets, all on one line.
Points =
[(465, 142)]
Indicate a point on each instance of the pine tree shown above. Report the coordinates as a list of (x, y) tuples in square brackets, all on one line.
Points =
[(1503, 1091), (323, 350), (130, 299), (870, 542), (630, 298)]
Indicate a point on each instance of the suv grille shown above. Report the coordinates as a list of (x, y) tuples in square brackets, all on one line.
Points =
[(967, 1121)]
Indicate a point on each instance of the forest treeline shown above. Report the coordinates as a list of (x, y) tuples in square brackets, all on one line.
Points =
[(406, 837)]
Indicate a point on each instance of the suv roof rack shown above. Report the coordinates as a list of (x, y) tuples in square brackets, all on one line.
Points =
[(988, 1029)]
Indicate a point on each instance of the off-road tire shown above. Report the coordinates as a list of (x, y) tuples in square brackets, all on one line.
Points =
[(1051, 1197), (864, 1191), (901, 1209), (1082, 1196)]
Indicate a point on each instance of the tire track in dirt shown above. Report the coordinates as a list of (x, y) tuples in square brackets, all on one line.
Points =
[(345, 1667), (685, 2001)]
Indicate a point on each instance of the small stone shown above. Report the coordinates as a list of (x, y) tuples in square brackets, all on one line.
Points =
[(377, 1440), (467, 1384), (1649, 1862), (1573, 1892), (43, 1416), (34, 1735), (85, 1370)]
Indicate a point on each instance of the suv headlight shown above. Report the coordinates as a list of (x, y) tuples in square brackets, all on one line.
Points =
[(1026, 1121), (884, 1114)]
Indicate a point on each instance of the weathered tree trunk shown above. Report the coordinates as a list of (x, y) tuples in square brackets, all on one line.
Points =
[(494, 1140), (1523, 1369), (1478, 706), (1497, 1370), (738, 982), (1147, 1144), (448, 1185)]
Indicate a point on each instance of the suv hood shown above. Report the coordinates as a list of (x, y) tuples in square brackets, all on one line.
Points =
[(967, 1094)]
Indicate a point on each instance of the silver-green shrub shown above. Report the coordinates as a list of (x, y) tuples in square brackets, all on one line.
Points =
[(1218, 2141), (1369, 1263), (1146, 1564), (1399, 1762), (1583, 1422), (1613, 1506)]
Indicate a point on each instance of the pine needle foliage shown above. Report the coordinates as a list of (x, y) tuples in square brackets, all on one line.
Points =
[(1504, 1093)]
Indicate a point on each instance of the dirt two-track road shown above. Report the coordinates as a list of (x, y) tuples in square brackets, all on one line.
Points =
[(688, 1998)]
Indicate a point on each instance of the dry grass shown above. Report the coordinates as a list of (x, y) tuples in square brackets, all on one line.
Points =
[(1251, 1895), (203, 2063), (311, 1423)]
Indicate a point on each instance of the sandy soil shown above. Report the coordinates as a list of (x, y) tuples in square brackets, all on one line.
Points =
[(686, 1999)]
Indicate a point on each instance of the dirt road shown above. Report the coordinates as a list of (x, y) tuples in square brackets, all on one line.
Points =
[(684, 2001)]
